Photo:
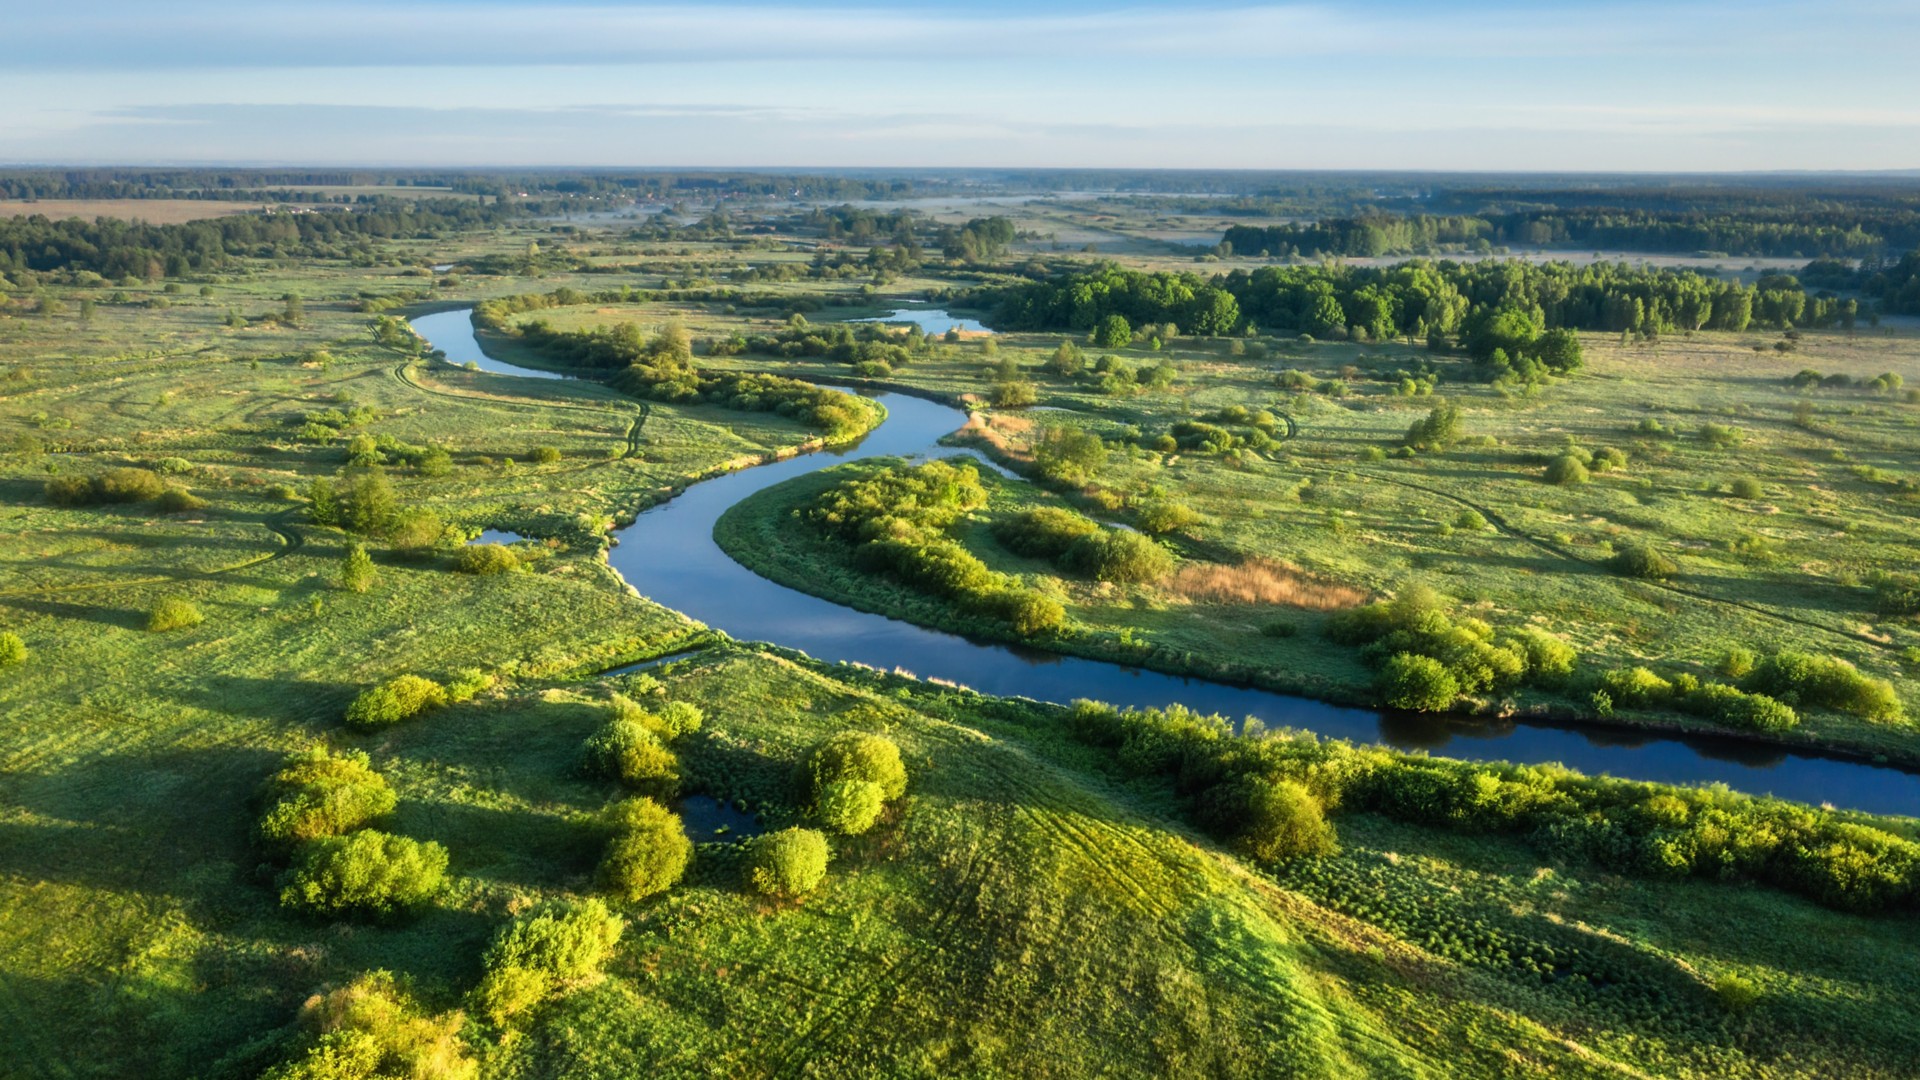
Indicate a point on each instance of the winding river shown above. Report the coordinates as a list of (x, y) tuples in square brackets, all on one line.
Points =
[(669, 555)]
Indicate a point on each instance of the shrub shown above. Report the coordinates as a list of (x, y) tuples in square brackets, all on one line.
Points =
[(1608, 458), (628, 749), (402, 697), (1747, 487), (788, 864), (551, 946), (1824, 681), (679, 718), (128, 486), (356, 570), (1026, 611), (368, 873), (1439, 429), (1161, 517), (855, 755), (1281, 820), (1736, 993), (12, 649), (1118, 555), (467, 683), (176, 500), (316, 794), (1043, 533), (1897, 595), (1736, 662), (545, 455), (69, 490), (1417, 683), (649, 851), (1469, 521), (373, 1029), (1566, 469), (485, 559), (173, 613), (1731, 707), (1549, 660), (1635, 687), (851, 806), (1636, 559)]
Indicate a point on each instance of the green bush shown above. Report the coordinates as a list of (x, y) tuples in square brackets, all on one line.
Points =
[(851, 807), (679, 718), (629, 750), (555, 945), (1736, 993), (1469, 521), (176, 500), (1747, 487), (1636, 559), (173, 613), (485, 559), (402, 697), (788, 864), (1043, 533), (1799, 678), (1636, 687), (366, 873), (1549, 659), (1026, 611), (1279, 819), (1896, 595), (1418, 683), (1567, 469), (1118, 555), (316, 794), (545, 455), (1161, 517), (1735, 708), (69, 490), (373, 1029), (128, 486), (1736, 663), (855, 755), (649, 851), (356, 569), (12, 649), (1607, 459)]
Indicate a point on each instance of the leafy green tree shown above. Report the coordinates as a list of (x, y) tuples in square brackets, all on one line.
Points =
[(316, 793), (1566, 470), (1417, 683), (356, 569), (366, 873), (855, 755), (558, 944), (1114, 332), (1069, 454), (1439, 429), (788, 864), (12, 650), (649, 851), (851, 807)]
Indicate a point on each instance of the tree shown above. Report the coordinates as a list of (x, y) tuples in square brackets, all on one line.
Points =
[(369, 506), (649, 851), (1438, 430), (1418, 683), (1282, 820), (851, 807), (356, 570), (1114, 332), (373, 1029), (1069, 454), (855, 755), (1567, 469), (12, 649), (295, 311), (315, 793), (368, 873), (1067, 360), (627, 749), (788, 864), (555, 944)]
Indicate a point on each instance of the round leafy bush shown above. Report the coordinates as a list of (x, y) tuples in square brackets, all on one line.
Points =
[(1470, 521), (1747, 487), (1043, 533), (178, 500), (373, 1029), (1417, 683), (69, 490), (1608, 458), (851, 806), (1282, 820), (369, 873), (1026, 611), (555, 944), (173, 613), (485, 559), (788, 864), (316, 794), (1567, 469), (1734, 708), (1162, 517), (679, 718), (1118, 555), (1635, 687), (128, 485), (545, 455), (12, 649), (1636, 559), (402, 697), (649, 851), (856, 755), (1827, 682), (627, 749)]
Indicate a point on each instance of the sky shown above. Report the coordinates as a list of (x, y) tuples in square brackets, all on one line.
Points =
[(1491, 85)]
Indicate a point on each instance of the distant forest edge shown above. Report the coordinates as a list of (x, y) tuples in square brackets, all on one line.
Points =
[(1798, 233)]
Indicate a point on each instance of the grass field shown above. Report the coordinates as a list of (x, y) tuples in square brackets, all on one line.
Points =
[(1030, 907)]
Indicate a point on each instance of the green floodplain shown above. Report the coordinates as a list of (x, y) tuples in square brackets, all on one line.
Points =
[(296, 782)]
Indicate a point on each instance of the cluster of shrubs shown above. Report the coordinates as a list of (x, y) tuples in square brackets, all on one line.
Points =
[(365, 451), (544, 952), (1428, 657), (838, 414), (122, 485), (1115, 377), (1577, 465), (326, 425), (367, 504), (1886, 384), (1635, 828), (1824, 682), (1729, 706), (633, 745), (873, 349), (849, 779), (317, 816), (896, 522), (1210, 437), (375, 1028), (1079, 545)]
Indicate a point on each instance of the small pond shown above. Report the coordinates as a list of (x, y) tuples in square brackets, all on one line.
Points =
[(708, 819), (930, 321)]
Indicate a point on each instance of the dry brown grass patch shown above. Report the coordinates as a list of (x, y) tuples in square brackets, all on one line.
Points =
[(1262, 581)]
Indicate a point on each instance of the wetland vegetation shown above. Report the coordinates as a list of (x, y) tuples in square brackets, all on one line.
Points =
[(304, 776)]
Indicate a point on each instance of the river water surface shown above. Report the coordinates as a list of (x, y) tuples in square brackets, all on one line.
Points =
[(669, 555)]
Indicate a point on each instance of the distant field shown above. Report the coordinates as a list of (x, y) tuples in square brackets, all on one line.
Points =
[(157, 211)]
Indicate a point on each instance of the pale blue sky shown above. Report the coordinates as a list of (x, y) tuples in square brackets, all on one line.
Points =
[(1487, 85)]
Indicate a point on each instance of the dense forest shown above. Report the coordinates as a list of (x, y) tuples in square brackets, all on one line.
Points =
[(1852, 232), (115, 249), (1433, 301)]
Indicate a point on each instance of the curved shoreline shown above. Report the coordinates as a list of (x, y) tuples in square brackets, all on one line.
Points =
[(668, 555)]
